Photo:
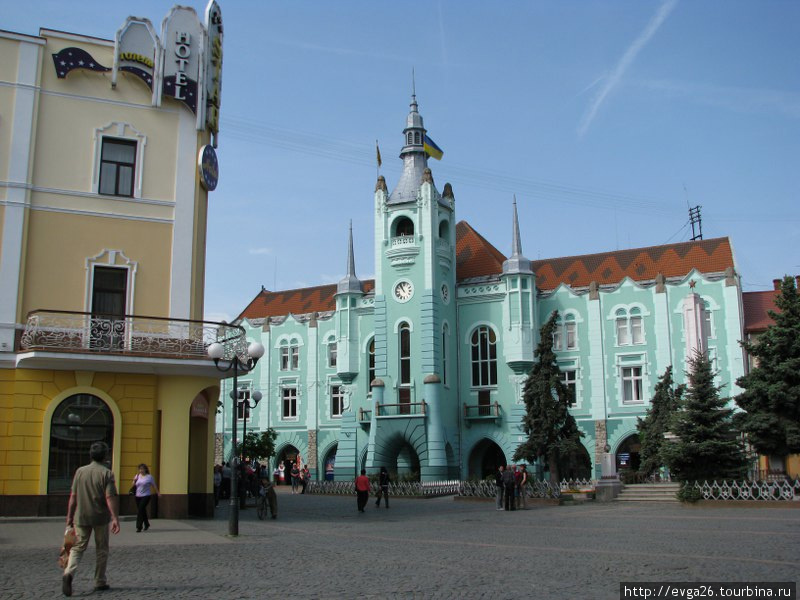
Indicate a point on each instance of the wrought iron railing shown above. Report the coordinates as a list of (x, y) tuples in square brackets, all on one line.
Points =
[(767, 491), (364, 416), (402, 409), (488, 489), (417, 489), (63, 331), (473, 411)]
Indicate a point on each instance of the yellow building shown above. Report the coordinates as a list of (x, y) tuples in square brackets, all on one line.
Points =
[(106, 160)]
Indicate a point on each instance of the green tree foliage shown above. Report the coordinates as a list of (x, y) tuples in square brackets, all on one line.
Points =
[(771, 397), (259, 446), (708, 446), (657, 422), (551, 429)]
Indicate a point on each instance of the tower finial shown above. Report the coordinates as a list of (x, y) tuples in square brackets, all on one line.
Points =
[(516, 243), (516, 263), (414, 107), (349, 283)]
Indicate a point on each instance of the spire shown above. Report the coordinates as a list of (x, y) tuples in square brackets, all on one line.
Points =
[(517, 263), (415, 160), (350, 283)]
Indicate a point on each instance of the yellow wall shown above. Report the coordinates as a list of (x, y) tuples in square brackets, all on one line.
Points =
[(55, 275)]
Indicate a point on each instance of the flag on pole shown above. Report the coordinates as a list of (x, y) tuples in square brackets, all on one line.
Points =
[(432, 149), (378, 153)]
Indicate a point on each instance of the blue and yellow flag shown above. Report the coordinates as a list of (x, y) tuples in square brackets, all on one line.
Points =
[(432, 149)]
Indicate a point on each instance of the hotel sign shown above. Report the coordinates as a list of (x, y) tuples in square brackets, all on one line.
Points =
[(182, 35), (137, 50)]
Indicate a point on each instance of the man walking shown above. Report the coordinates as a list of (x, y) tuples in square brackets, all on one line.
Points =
[(362, 490), (383, 491), (93, 502), (508, 484), (498, 481)]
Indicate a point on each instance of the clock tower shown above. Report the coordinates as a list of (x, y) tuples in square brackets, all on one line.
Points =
[(414, 418)]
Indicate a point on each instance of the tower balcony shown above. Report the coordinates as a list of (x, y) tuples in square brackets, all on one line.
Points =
[(403, 250), (482, 413), (64, 339)]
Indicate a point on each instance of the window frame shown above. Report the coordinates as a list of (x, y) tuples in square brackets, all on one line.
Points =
[(125, 132), (483, 357), (289, 394), (336, 392), (636, 384), (117, 166)]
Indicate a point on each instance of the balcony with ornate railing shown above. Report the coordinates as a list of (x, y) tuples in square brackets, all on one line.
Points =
[(128, 335), (402, 409), (403, 250), (482, 412)]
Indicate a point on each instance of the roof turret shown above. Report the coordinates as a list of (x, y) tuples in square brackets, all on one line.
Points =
[(350, 284), (517, 263)]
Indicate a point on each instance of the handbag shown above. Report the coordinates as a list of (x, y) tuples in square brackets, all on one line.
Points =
[(70, 538), (132, 491)]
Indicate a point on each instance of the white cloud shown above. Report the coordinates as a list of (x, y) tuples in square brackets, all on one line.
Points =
[(624, 63), (260, 251)]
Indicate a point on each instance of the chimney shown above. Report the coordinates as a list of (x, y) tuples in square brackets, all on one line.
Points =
[(776, 284)]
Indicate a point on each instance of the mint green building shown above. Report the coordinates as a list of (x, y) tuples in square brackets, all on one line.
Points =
[(421, 369)]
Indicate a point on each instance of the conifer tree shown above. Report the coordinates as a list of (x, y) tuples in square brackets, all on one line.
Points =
[(552, 431), (657, 422), (771, 397), (707, 447)]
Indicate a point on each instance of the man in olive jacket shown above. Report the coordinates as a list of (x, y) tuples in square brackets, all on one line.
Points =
[(93, 502)]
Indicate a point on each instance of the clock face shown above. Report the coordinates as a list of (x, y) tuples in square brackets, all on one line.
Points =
[(445, 293), (403, 291)]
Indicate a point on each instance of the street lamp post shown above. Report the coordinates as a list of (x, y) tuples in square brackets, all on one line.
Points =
[(245, 411), (254, 352)]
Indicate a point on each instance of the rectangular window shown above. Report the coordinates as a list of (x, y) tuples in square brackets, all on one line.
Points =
[(289, 397), (637, 332), (295, 357), (332, 355), (117, 167), (484, 403), (570, 380), (632, 385), (337, 401), (623, 336), (242, 405), (572, 338), (557, 338), (285, 358), (404, 399)]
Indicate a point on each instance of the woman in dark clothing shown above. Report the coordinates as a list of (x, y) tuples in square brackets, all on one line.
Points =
[(383, 490)]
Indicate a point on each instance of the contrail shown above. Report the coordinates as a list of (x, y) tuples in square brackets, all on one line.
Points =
[(626, 61)]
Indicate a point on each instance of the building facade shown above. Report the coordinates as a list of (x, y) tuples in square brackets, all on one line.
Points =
[(106, 159), (421, 369)]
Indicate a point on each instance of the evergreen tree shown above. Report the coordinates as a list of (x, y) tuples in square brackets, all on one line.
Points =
[(707, 447), (657, 422), (551, 429), (771, 397)]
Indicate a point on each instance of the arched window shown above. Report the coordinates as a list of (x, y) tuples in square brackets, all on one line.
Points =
[(404, 352), (630, 328), (708, 323), (403, 226), (417, 138), (444, 230), (410, 138), (565, 335), (484, 357), (78, 421), (445, 337), (332, 353), (290, 355), (371, 361)]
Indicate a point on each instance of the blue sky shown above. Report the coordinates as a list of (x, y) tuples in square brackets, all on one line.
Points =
[(604, 118)]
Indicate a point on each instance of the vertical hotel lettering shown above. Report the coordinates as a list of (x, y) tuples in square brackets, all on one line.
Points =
[(183, 51)]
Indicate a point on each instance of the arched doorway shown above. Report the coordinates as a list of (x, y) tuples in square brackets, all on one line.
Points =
[(77, 422), (200, 501), (329, 462), (287, 457), (485, 459), (576, 464), (407, 464), (628, 454)]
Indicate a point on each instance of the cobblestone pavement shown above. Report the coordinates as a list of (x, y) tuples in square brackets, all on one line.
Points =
[(321, 547)]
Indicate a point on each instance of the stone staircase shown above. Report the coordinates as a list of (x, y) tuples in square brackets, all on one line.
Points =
[(649, 492)]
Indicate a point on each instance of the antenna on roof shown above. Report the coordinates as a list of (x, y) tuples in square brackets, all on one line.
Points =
[(696, 219)]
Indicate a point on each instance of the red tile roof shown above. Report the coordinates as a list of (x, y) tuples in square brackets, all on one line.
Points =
[(640, 264), (476, 257), (296, 302), (755, 306)]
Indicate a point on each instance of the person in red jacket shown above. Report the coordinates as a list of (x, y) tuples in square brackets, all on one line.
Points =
[(362, 490)]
